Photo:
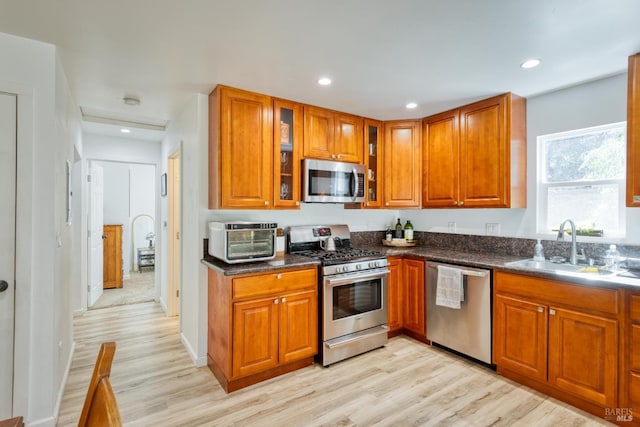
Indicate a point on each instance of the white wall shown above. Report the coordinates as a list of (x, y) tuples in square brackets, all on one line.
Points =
[(188, 132), (48, 129), (142, 202), (590, 104)]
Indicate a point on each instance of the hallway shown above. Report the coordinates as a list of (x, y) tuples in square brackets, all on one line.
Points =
[(139, 287)]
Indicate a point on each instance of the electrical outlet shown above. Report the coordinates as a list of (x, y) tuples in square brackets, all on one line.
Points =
[(451, 226), (492, 228)]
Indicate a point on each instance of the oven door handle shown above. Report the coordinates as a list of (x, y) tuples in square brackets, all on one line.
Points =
[(355, 277)]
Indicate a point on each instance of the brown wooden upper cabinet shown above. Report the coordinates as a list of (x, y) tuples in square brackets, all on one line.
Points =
[(287, 136), (633, 132), (402, 175), (240, 149), (373, 157), (331, 135), (475, 156)]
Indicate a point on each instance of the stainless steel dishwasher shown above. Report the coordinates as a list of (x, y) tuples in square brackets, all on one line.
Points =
[(466, 330)]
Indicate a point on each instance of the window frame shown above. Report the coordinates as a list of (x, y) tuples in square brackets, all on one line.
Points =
[(542, 187)]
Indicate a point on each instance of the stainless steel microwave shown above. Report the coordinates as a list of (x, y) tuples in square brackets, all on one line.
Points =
[(326, 181), (242, 241)]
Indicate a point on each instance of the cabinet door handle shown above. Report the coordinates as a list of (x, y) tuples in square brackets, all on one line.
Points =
[(278, 276), (275, 301), (461, 203), (386, 204), (297, 203), (266, 203), (284, 300), (455, 203), (552, 312), (540, 309)]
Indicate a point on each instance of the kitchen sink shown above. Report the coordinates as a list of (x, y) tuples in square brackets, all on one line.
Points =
[(564, 268)]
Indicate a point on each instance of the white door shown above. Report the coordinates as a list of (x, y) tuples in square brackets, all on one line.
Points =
[(173, 238), (8, 117), (95, 233)]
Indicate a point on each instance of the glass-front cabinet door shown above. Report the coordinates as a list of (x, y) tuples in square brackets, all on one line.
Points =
[(373, 160), (287, 138)]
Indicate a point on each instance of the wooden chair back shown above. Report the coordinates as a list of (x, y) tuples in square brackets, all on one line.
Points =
[(100, 406)]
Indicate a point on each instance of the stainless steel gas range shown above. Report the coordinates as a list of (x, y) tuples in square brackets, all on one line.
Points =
[(353, 291)]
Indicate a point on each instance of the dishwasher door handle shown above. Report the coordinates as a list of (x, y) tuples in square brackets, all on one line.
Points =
[(466, 272)]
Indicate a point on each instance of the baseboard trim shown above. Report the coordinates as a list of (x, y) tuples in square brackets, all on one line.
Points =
[(63, 383), (198, 361)]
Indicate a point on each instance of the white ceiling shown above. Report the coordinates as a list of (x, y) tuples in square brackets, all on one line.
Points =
[(380, 54)]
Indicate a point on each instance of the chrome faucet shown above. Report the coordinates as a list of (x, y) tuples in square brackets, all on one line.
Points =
[(573, 257)]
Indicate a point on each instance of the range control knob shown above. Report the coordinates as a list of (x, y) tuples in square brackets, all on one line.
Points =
[(345, 268), (358, 266)]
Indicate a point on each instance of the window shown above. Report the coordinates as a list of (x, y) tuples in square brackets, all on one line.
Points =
[(581, 176)]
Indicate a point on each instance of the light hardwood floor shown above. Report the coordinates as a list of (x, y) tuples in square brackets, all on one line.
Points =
[(405, 383)]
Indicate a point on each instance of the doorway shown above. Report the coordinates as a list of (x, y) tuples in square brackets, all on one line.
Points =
[(173, 234), (129, 204)]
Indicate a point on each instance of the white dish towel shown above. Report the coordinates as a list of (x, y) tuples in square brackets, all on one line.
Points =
[(449, 287)]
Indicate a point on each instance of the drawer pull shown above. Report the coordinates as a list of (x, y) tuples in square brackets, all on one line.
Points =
[(278, 276)]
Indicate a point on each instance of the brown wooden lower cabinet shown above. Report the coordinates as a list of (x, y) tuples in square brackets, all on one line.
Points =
[(112, 256), (261, 325), (631, 396), (406, 298), (394, 296), (560, 338), (414, 316)]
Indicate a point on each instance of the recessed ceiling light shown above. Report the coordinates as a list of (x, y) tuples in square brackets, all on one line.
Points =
[(530, 63), (123, 130), (324, 81), (411, 105), (131, 100)]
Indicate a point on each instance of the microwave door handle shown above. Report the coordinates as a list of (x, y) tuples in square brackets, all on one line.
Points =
[(354, 190)]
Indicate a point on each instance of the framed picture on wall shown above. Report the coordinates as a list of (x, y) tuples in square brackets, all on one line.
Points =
[(163, 184)]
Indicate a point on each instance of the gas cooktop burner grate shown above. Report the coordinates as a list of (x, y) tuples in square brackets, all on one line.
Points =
[(341, 255)]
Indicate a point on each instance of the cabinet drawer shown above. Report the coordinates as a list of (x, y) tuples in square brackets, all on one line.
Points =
[(273, 283), (561, 293), (635, 307)]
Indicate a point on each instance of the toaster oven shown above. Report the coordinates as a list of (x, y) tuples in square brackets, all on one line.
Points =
[(242, 241)]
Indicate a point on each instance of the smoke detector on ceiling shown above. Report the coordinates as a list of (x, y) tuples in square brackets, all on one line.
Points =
[(131, 100)]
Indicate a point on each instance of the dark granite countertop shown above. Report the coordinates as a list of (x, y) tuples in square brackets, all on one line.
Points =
[(451, 256), (490, 261), (279, 263)]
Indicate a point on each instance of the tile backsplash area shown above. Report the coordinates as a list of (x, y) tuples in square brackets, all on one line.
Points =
[(497, 245)]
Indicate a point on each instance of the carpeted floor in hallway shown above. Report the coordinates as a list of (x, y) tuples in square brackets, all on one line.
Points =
[(140, 287)]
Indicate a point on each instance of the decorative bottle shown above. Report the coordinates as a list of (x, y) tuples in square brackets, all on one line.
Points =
[(398, 234), (389, 234), (408, 231)]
